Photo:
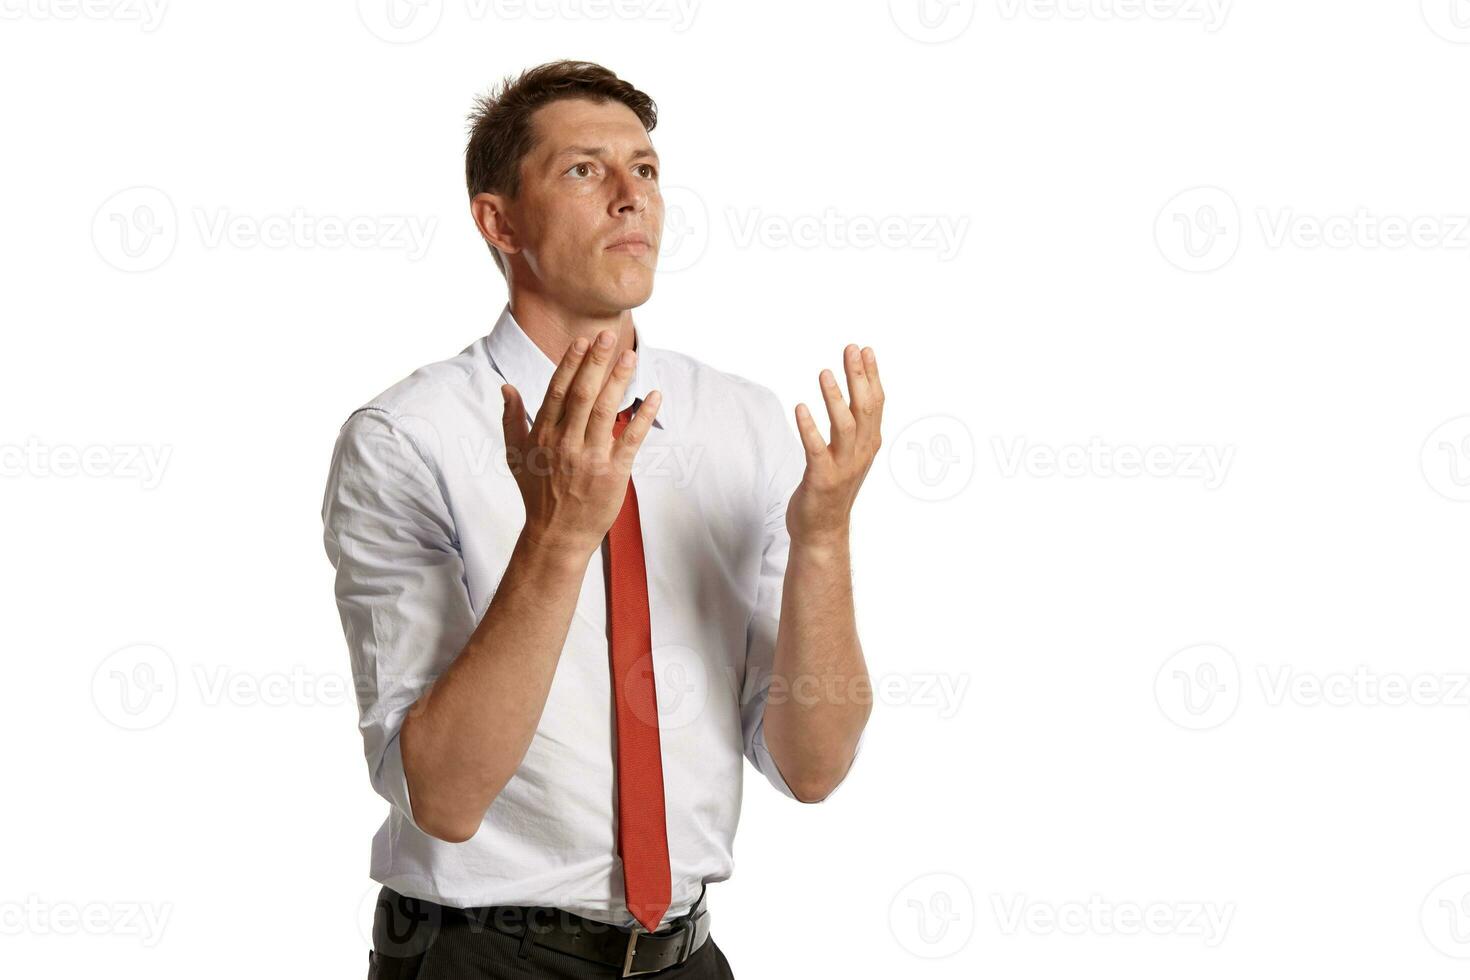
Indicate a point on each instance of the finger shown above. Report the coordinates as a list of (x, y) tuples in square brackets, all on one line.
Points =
[(865, 403), (870, 363), (585, 388), (859, 390), (514, 420), (843, 424), (811, 436), (875, 428), (605, 409), (637, 428), (561, 382)]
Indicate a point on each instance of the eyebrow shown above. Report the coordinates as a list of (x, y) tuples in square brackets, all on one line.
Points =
[(598, 151)]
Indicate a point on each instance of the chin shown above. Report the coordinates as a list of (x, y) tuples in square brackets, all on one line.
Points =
[(631, 292)]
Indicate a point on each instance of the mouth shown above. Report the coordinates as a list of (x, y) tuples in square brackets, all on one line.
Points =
[(631, 245)]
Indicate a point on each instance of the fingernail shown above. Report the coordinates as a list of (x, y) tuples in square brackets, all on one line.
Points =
[(868, 354), (605, 339), (580, 345), (627, 359)]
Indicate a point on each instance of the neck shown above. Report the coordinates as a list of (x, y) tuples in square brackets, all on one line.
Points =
[(553, 326)]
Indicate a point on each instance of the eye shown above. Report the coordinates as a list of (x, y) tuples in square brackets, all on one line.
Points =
[(581, 170), (648, 170)]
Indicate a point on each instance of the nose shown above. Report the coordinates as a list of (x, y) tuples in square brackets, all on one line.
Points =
[(629, 195)]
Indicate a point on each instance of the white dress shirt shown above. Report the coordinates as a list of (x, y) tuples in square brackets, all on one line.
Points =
[(421, 514)]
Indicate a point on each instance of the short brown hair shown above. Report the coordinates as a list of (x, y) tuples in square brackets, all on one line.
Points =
[(500, 125)]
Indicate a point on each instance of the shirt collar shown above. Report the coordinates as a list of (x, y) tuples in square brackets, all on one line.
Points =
[(526, 366)]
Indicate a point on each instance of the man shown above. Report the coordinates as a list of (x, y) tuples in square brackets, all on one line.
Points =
[(562, 658)]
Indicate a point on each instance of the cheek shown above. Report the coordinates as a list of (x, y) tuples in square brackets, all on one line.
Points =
[(576, 226)]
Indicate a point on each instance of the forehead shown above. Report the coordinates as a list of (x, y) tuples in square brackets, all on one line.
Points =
[(582, 122)]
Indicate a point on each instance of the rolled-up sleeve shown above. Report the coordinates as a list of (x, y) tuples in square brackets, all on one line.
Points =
[(785, 458), (400, 581)]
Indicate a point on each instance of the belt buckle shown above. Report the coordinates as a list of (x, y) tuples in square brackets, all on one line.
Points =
[(686, 939), (628, 970)]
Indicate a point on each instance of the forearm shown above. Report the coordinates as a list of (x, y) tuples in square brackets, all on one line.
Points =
[(821, 695), (466, 736)]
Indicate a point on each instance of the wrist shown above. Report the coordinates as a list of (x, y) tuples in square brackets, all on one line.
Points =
[(826, 545), (555, 549)]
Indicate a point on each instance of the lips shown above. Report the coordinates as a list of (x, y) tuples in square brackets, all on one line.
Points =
[(636, 244)]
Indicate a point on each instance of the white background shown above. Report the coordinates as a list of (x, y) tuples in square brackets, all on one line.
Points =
[(1203, 719)]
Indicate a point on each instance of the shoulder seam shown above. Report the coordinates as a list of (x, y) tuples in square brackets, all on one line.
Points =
[(403, 433)]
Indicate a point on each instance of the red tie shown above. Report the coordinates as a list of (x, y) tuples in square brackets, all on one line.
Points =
[(643, 840)]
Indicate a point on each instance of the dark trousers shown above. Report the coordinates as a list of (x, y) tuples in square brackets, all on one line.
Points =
[(434, 942)]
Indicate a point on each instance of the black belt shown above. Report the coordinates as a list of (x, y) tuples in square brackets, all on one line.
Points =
[(634, 951)]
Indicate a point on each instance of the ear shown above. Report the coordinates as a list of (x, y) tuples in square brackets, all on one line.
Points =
[(493, 219)]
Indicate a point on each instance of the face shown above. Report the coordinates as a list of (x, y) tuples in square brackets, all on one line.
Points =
[(589, 217)]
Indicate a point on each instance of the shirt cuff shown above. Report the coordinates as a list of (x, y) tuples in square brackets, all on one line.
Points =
[(392, 783)]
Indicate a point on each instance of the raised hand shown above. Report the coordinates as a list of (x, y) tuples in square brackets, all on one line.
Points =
[(572, 473), (820, 510)]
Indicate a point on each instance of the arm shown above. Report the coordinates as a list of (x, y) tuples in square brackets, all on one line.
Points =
[(467, 735), (821, 695), (442, 755)]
